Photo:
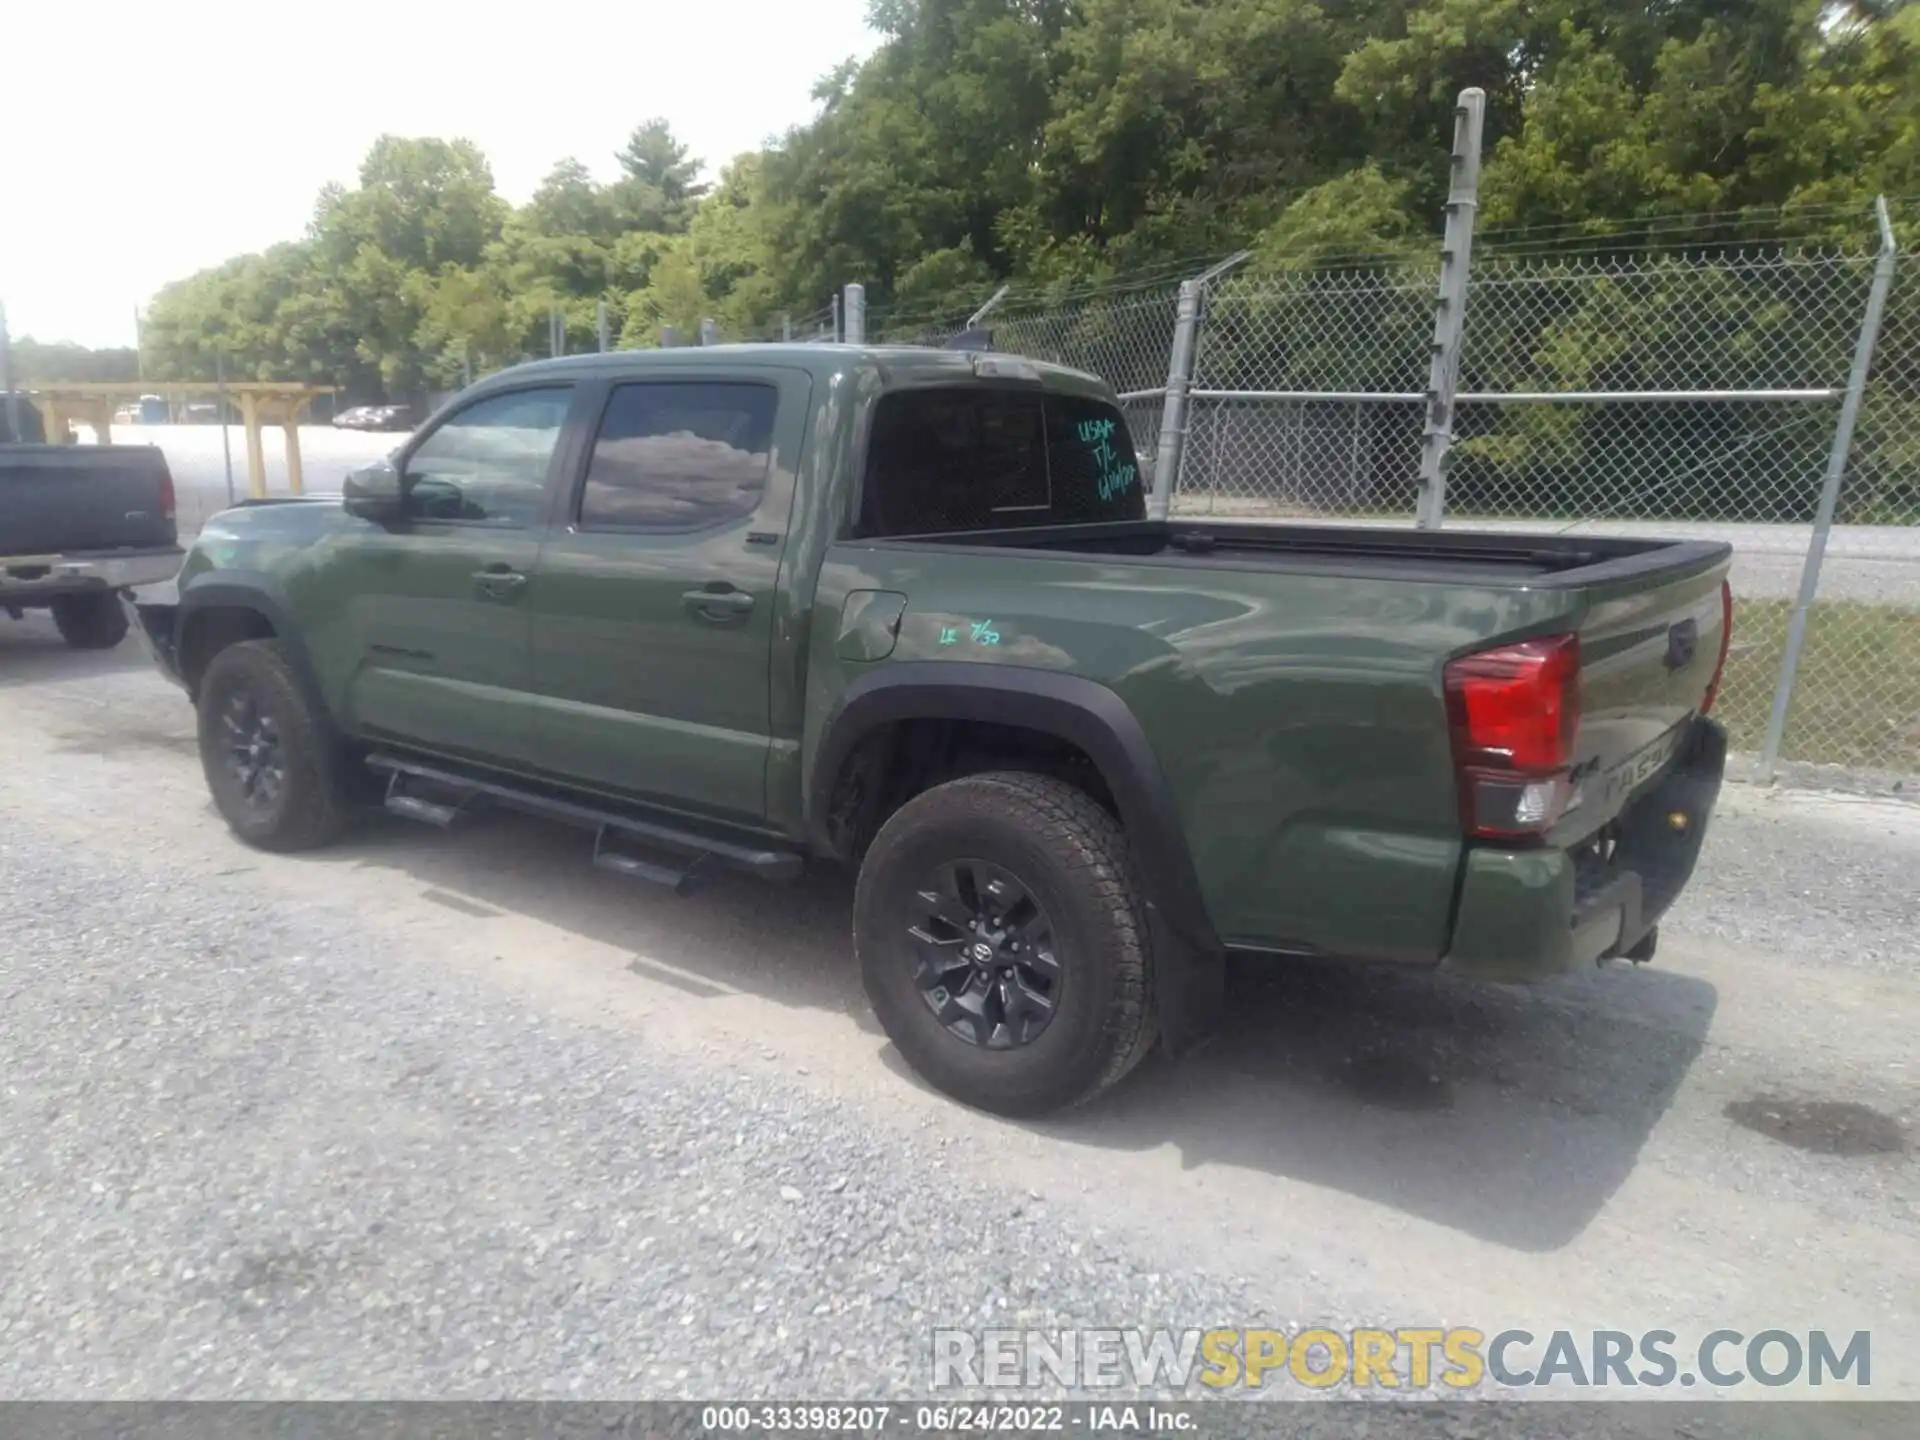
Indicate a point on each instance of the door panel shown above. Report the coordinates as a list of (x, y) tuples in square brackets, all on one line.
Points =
[(439, 612), (652, 618)]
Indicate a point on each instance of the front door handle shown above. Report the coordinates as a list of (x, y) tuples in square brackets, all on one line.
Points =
[(721, 602), (499, 582)]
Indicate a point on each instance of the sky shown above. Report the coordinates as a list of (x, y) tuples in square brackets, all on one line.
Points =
[(146, 142)]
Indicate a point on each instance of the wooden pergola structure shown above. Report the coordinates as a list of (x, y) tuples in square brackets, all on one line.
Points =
[(261, 403)]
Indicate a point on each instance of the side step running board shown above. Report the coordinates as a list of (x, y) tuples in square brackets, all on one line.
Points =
[(440, 812), (681, 880), (647, 849)]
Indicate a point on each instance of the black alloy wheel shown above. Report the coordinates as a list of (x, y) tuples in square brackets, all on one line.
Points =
[(983, 955), (254, 754)]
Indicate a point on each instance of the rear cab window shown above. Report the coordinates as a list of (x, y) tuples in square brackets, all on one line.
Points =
[(960, 458)]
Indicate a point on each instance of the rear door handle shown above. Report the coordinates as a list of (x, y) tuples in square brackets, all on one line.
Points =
[(718, 603), (499, 582)]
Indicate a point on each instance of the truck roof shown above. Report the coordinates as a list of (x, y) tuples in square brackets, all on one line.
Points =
[(898, 366)]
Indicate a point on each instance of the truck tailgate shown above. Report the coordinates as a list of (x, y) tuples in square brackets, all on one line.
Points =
[(76, 499), (1650, 649)]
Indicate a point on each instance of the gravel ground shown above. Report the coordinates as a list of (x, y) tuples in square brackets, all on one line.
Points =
[(458, 1116)]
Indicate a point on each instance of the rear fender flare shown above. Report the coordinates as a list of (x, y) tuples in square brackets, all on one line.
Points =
[(1081, 712)]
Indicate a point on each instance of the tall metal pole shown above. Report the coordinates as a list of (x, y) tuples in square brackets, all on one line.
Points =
[(6, 379), (600, 323), (1450, 309), (220, 404), (709, 333), (669, 336), (1830, 492), (836, 319), (855, 313), (786, 328)]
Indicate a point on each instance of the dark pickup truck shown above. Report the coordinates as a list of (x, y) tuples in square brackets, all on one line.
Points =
[(80, 524), (903, 610)]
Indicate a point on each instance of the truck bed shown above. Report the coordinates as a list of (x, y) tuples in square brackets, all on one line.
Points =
[(84, 499), (1556, 561)]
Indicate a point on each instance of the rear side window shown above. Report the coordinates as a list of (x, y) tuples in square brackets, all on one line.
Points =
[(940, 461), (679, 456)]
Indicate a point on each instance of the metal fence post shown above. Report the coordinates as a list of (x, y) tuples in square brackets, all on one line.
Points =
[(1830, 493), (855, 312), (1450, 309), (836, 319), (987, 309), (600, 323), (1173, 411), (786, 328)]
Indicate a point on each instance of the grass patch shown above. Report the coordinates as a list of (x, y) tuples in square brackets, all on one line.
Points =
[(1856, 697)]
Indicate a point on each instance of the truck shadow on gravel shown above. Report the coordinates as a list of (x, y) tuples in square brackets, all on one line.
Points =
[(1510, 1114), (32, 653)]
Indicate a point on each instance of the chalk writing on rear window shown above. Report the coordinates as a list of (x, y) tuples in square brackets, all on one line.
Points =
[(1116, 476)]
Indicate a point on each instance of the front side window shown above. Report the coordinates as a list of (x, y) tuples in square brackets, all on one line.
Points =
[(679, 456), (487, 464), (945, 460)]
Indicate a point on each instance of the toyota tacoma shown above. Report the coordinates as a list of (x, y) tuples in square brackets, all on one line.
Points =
[(904, 611)]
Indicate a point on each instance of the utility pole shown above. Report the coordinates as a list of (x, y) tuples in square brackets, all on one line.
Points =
[(6, 378)]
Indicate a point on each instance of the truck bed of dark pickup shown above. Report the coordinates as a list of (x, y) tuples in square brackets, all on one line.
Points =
[(55, 498), (78, 525)]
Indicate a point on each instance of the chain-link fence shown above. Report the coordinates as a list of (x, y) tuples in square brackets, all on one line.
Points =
[(1651, 393)]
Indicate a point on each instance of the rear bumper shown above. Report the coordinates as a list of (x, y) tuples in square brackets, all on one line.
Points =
[(1532, 914), (33, 579)]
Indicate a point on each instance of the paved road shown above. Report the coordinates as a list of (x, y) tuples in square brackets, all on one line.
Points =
[(435, 1115)]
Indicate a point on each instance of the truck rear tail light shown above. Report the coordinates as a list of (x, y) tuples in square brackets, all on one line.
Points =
[(167, 502), (1514, 714), (1726, 641)]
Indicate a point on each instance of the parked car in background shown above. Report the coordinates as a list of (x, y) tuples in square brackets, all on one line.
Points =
[(375, 417), (903, 610)]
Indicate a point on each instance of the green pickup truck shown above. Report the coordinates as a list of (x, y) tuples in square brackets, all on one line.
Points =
[(903, 610)]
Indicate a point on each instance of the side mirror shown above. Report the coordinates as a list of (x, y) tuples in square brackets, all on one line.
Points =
[(373, 493)]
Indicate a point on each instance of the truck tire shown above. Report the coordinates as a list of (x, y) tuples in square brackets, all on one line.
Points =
[(93, 620), (1001, 943), (274, 774)]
